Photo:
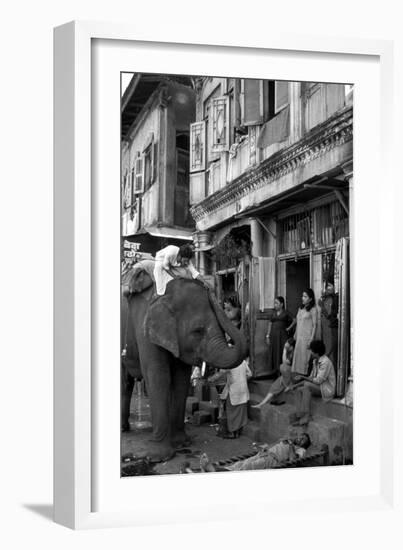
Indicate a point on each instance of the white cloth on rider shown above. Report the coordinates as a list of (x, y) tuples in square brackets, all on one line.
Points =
[(164, 260)]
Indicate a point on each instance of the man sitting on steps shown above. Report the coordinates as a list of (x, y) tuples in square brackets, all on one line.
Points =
[(321, 382)]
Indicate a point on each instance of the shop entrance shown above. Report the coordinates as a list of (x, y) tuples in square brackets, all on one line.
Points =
[(297, 279)]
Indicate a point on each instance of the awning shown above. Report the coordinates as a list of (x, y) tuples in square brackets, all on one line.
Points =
[(306, 191), (167, 232)]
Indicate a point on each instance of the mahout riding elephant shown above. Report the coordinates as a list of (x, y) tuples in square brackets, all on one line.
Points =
[(184, 327)]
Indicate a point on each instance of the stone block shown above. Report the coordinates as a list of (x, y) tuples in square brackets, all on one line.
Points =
[(332, 432), (202, 391), (275, 421), (192, 405), (211, 408), (252, 430), (201, 417)]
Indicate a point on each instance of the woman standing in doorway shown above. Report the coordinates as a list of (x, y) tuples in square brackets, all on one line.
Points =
[(329, 305), (277, 335), (307, 321)]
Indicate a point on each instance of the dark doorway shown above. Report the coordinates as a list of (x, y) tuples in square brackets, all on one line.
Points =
[(225, 285), (297, 279)]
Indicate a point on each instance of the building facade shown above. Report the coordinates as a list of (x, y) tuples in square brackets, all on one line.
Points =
[(156, 113), (270, 191)]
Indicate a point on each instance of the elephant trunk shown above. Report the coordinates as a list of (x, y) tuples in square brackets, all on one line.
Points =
[(220, 354)]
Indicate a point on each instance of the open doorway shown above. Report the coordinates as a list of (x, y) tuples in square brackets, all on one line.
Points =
[(225, 284), (297, 279)]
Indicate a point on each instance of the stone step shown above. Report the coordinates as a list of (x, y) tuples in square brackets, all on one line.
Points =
[(275, 422), (252, 430), (192, 405), (211, 408), (202, 417), (332, 409)]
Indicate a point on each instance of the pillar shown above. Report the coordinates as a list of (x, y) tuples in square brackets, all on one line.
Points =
[(348, 174), (296, 112), (256, 238)]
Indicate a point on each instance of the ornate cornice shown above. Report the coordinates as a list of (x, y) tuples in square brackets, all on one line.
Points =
[(335, 131)]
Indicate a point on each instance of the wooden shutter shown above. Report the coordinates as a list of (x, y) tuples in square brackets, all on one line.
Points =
[(127, 190), (138, 186), (154, 162), (220, 124), (280, 95), (251, 101), (198, 146)]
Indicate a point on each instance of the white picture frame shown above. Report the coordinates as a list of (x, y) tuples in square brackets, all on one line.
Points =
[(88, 491)]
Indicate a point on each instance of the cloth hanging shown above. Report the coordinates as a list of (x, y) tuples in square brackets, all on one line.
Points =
[(275, 130)]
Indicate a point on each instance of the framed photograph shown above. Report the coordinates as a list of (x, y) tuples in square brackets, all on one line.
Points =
[(221, 219)]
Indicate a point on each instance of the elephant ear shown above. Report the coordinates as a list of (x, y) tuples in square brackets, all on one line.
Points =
[(160, 326)]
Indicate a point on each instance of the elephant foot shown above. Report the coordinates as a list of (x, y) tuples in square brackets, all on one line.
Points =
[(181, 442), (160, 454)]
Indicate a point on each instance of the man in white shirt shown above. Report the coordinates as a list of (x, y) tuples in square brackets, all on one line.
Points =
[(321, 382), (169, 257)]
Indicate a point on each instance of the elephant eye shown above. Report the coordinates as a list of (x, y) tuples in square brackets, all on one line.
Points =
[(198, 330)]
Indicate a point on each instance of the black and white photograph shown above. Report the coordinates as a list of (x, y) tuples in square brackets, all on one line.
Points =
[(235, 274)]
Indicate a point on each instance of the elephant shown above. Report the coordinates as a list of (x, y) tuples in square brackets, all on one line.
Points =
[(135, 281), (172, 333)]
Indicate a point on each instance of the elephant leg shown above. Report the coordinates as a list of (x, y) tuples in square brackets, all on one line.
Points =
[(180, 374), (158, 380), (126, 395)]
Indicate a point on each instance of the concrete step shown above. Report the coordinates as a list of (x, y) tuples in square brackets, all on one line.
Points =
[(211, 408), (332, 409), (252, 430), (275, 422), (192, 405)]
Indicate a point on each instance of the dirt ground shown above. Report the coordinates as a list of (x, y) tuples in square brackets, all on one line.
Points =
[(203, 440)]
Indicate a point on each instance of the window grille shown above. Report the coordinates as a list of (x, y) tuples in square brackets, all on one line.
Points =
[(331, 224), (295, 233)]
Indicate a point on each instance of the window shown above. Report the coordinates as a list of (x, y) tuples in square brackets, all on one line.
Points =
[(182, 215), (138, 174), (262, 100), (280, 95), (198, 146), (148, 167), (252, 102), (295, 233), (331, 224), (220, 122), (127, 190)]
